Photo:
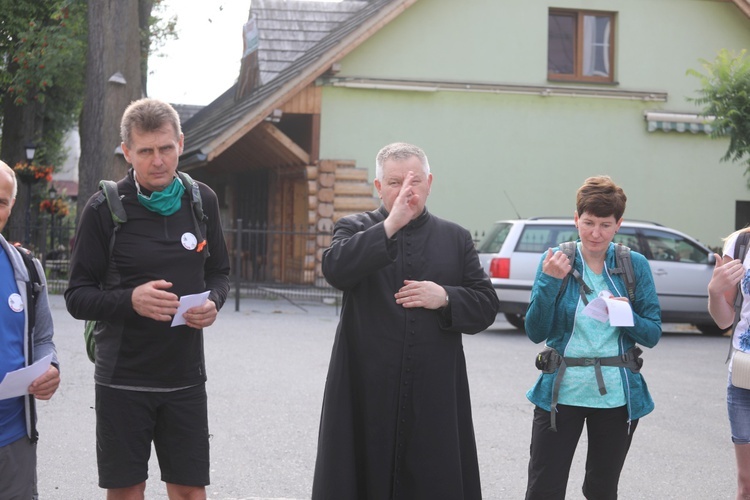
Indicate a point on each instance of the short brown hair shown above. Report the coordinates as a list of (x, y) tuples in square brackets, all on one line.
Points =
[(148, 115), (601, 197)]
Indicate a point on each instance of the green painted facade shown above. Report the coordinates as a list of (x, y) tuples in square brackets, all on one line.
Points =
[(490, 149)]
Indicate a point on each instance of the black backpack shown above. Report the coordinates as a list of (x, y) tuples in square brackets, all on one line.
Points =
[(109, 193), (622, 260)]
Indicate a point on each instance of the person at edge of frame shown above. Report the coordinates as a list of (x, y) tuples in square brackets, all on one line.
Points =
[(19, 348), (723, 288)]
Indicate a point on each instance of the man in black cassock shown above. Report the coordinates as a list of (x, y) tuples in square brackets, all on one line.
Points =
[(396, 420)]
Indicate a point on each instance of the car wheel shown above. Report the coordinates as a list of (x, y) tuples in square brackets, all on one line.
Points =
[(711, 329), (517, 320)]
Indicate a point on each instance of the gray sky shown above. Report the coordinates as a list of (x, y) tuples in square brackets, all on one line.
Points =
[(205, 61)]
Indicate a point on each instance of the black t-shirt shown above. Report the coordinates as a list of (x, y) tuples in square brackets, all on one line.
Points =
[(133, 350)]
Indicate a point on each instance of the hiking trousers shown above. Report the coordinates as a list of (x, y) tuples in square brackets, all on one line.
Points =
[(609, 438)]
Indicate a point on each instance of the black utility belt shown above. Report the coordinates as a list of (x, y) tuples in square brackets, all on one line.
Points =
[(549, 360)]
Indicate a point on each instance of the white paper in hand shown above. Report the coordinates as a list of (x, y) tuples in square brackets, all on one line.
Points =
[(16, 383), (606, 307), (186, 302)]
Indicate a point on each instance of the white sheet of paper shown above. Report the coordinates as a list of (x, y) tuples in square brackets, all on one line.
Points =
[(16, 383), (606, 307), (186, 302)]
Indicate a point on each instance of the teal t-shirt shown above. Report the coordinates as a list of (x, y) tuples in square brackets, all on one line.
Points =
[(592, 339)]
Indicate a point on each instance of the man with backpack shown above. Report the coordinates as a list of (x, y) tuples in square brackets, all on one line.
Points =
[(25, 337), (138, 251)]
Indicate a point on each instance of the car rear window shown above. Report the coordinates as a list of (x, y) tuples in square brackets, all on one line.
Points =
[(493, 241), (538, 238)]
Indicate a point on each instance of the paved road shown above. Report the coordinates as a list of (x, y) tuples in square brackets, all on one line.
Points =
[(267, 366)]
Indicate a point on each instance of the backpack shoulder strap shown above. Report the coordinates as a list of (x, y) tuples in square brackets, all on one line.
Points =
[(33, 288), (200, 219), (34, 279), (625, 267), (740, 246), (109, 192), (195, 196), (569, 249)]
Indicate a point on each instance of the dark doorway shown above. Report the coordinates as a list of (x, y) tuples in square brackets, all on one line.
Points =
[(741, 214), (252, 208)]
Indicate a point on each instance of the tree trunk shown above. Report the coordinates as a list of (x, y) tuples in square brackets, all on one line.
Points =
[(113, 80), (22, 125)]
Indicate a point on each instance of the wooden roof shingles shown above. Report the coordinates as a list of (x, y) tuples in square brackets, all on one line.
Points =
[(224, 117), (289, 29)]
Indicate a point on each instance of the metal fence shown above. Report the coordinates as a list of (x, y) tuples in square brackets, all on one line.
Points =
[(275, 261), (50, 241), (266, 261)]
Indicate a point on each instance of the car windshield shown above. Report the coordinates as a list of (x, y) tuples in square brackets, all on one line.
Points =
[(493, 241)]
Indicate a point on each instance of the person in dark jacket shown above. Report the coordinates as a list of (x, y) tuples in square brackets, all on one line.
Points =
[(593, 386), (150, 376), (396, 420), (19, 348)]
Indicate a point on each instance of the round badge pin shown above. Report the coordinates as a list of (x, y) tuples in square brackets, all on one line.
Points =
[(15, 302), (189, 241)]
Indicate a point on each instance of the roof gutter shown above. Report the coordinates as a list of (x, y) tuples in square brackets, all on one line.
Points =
[(493, 88)]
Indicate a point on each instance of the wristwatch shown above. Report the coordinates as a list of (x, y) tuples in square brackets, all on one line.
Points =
[(447, 300)]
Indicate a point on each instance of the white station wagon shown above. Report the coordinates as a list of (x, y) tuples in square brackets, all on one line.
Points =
[(511, 250)]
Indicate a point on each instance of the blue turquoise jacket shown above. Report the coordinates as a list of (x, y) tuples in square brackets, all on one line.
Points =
[(551, 319)]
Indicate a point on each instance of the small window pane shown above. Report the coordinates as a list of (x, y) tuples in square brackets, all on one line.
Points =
[(596, 31), (537, 239), (627, 237), (561, 44), (667, 246)]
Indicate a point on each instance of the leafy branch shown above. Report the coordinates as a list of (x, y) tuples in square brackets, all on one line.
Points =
[(725, 95)]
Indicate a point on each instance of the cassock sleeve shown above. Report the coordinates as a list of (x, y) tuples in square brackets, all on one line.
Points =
[(472, 306)]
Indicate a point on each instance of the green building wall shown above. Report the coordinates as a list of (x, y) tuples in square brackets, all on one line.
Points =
[(493, 154)]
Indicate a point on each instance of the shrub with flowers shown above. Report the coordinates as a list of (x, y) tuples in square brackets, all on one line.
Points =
[(56, 206), (31, 174)]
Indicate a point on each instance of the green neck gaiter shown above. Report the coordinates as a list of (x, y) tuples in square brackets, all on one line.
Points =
[(164, 202)]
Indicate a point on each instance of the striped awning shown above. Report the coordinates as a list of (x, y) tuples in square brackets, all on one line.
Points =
[(678, 122)]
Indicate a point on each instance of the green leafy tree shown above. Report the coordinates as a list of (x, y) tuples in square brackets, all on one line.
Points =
[(42, 45), (725, 96)]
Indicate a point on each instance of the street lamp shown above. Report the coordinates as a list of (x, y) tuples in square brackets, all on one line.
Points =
[(52, 195), (30, 150)]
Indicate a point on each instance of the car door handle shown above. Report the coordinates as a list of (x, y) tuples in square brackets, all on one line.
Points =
[(660, 272)]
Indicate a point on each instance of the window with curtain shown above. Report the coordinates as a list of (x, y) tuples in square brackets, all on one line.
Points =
[(580, 46)]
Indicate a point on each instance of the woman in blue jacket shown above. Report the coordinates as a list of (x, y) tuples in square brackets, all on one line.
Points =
[(590, 369)]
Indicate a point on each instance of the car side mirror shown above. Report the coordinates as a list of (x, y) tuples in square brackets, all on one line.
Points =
[(711, 258)]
